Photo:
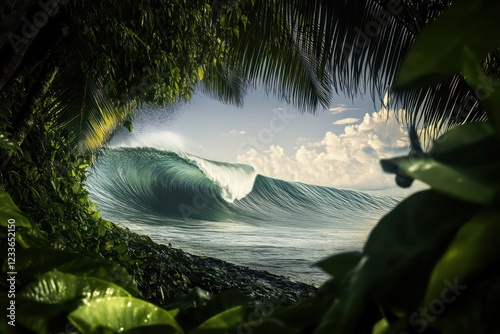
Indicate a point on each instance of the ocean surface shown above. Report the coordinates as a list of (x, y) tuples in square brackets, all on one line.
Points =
[(227, 211)]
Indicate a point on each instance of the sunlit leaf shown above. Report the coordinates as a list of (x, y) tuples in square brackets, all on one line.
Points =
[(453, 180), (56, 287), (120, 314)]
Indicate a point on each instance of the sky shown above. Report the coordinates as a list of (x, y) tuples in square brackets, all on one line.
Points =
[(338, 147)]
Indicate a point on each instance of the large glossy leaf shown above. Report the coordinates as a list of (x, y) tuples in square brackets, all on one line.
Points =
[(58, 294), (120, 314), (460, 163), (401, 251), (55, 287), (103, 269), (453, 180), (440, 50), (471, 254)]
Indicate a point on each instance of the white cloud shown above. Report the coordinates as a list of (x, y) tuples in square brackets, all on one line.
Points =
[(344, 121), (340, 108), (348, 160), (234, 132)]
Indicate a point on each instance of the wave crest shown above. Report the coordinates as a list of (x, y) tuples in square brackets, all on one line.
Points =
[(235, 180)]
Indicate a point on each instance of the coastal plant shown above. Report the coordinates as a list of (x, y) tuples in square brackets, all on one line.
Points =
[(428, 266)]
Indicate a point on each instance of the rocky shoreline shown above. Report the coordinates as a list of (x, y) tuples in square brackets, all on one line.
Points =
[(163, 273)]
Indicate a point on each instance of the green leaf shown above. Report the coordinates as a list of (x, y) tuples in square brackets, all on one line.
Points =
[(381, 327), (400, 251), (472, 253), (153, 329), (223, 321), (103, 269), (120, 314), (26, 234), (57, 294), (7, 144), (460, 163), (452, 180), (473, 310), (200, 73), (441, 48), (56, 287), (10, 211), (43, 318)]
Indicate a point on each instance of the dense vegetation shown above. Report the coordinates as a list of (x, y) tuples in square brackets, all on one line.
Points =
[(429, 266)]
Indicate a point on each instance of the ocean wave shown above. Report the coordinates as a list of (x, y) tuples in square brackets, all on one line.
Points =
[(131, 181)]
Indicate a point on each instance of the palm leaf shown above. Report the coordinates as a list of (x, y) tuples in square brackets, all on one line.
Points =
[(269, 51), (224, 84), (82, 107), (306, 51)]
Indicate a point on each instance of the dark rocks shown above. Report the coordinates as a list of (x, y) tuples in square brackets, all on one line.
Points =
[(163, 272)]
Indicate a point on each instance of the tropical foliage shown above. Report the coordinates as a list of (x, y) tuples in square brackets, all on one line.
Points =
[(429, 266), (97, 62)]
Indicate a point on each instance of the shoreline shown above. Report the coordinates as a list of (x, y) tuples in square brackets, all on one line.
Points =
[(162, 272)]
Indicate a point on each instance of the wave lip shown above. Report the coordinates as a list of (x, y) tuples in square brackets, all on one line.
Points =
[(235, 180)]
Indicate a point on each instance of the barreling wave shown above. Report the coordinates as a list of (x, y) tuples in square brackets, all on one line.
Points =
[(141, 180)]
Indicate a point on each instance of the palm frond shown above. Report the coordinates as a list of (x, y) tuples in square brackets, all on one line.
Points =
[(364, 48), (307, 51), (82, 107), (224, 84), (268, 51)]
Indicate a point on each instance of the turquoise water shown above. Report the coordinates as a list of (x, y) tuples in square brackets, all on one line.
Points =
[(228, 211)]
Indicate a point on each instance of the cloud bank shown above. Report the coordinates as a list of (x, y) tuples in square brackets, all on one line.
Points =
[(349, 160)]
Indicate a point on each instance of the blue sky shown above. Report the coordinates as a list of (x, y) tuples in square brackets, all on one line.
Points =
[(337, 147)]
